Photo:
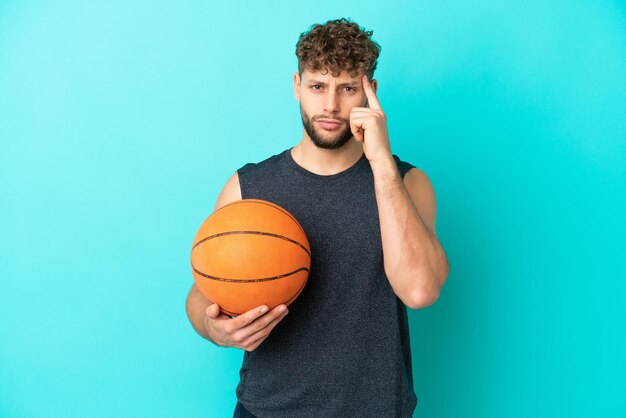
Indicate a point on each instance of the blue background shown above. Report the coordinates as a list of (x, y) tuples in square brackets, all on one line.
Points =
[(120, 122)]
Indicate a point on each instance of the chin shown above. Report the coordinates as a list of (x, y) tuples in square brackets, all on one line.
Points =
[(336, 142)]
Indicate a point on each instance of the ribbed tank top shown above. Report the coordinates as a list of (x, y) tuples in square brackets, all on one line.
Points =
[(344, 349)]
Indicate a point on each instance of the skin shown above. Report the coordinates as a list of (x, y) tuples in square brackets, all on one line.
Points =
[(415, 263)]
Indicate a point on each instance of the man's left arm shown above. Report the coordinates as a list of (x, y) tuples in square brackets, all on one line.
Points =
[(415, 263)]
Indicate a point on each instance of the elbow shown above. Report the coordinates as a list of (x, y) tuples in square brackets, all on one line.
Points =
[(419, 285), (422, 299), (427, 292)]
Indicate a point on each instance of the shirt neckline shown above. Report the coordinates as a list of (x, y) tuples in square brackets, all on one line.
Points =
[(294, 165)]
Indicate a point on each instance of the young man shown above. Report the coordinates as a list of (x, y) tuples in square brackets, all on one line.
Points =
[(343, 349)]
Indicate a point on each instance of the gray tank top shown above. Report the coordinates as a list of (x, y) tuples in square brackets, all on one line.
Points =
[(343, 350)]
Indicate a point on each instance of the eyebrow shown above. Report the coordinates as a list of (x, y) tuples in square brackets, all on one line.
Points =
[(351, 83)]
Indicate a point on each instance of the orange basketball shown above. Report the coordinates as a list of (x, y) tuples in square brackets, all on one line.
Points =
[(250, 253)]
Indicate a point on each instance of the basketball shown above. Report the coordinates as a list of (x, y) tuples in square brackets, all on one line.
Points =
[(250, 253)]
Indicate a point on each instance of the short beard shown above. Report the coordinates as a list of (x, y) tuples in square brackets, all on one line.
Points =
[(339, 140)]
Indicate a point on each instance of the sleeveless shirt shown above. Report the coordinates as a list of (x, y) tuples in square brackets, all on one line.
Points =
[(343, 350)]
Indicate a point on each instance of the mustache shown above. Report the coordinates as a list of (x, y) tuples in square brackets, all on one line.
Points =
[(317, 117)]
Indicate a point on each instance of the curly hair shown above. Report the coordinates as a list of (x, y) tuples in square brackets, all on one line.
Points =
[(336, 46)]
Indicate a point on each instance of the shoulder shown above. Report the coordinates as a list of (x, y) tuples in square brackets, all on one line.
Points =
[(422, 194), (420, 190), (267, 163), (231, 192), (403, 166), (252, 177), (410, 173)]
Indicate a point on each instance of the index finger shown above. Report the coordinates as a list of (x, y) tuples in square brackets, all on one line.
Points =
[(247, 318), (369, 93)]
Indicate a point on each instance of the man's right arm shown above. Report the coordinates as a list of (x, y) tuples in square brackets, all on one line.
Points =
[(248, 330)]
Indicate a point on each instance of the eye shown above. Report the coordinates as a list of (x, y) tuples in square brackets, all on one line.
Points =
[(350, 89), (316, 87)]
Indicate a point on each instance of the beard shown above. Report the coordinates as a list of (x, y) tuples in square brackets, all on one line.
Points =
[(338, 138)]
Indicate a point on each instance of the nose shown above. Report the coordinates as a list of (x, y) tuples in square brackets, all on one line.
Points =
[(331, 104)]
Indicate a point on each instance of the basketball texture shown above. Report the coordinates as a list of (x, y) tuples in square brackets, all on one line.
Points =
[(250, 253)]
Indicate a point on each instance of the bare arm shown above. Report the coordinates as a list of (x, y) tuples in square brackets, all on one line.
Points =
[(415, 263), (248, 330), (196, 307)]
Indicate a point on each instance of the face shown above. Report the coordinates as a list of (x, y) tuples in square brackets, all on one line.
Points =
[(325, 104)]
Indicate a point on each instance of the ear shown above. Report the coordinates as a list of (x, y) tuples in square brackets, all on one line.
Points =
[(296, 85)]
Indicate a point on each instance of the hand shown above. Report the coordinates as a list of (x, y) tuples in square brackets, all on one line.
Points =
[(246, 331), (369, 125)]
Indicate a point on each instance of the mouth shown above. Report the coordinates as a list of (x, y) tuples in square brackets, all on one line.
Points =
[(329, 124)]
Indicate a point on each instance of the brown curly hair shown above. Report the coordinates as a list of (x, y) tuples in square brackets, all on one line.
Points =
[(336, 46)]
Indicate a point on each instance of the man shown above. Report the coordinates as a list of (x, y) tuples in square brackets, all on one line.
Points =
[(342, 349)]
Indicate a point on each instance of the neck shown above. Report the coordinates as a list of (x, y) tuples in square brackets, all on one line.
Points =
[(323, 161)]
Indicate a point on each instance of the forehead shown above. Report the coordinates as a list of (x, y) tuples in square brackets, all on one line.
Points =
[(327, 77)]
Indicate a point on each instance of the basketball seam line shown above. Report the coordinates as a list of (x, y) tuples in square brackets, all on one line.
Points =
[(268, 234), (231, 313), (264, 279)]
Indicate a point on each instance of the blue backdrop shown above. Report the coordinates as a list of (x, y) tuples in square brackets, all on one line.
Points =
[(120, 122)]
